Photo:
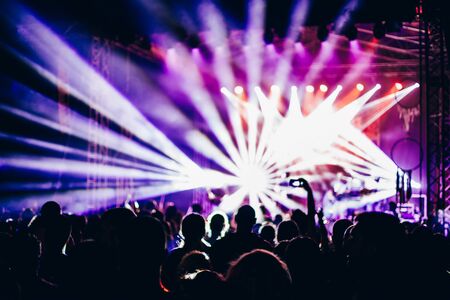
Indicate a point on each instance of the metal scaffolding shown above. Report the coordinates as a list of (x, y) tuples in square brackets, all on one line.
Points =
[(98, 153), (437, 109)]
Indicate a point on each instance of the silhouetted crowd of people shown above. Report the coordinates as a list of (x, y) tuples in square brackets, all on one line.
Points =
[(154, 254)]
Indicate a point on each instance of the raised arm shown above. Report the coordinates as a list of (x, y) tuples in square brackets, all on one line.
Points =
[(311, 207)]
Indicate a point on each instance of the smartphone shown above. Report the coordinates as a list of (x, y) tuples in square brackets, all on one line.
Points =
[(298, 182)]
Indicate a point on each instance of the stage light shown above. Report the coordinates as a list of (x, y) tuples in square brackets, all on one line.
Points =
[(261, 154), (351, 33), (398, 86), (323, 88), (253, 179), (379, 30), (360, 87), (238, 90), (310, 89), (275, 89), (378, 86), (322, 33)]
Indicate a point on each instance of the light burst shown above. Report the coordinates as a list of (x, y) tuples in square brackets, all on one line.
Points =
[(253, 144)]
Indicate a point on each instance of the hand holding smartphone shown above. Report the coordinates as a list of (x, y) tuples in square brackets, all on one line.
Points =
[(299, 182)]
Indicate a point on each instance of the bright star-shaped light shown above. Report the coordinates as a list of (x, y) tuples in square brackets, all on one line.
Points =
[(253, 179)]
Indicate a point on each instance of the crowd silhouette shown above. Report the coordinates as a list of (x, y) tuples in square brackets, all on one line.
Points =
[(154, 254)]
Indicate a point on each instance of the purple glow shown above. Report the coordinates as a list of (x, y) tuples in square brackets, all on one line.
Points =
[(216, 139)]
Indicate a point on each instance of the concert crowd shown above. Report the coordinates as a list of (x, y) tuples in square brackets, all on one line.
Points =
[(152, 253)]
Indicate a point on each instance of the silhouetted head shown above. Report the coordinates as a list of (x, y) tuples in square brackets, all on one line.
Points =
[(147, 205), (204, 285), (339, 228), (193, 261), (50, 209), (171, 212), (245, 218), (117, 217), (267, 232), (287, 230), (193, 227), (300, 218), (27, 215), (218, 223), (392, 206), (114, 221), (375, 239), (53, 232), (259, 275), (197, 208), (278, 219)]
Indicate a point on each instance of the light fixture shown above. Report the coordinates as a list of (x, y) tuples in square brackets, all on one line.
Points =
[(360, 87), (239, 90), (322, 33), (275, 89), (351, 32), (323, 88), (379, 30)]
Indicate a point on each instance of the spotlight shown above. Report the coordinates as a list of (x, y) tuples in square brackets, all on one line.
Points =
[(238, 90), (323, 88), (398, 86), (310, 89), (339, 87), (378, 86), (360, 87), (379, 30), (275, 89), (351, 33), (322, 33)]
